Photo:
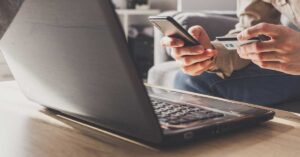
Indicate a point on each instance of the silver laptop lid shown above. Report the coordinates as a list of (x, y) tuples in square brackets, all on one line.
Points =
[(72, 56)]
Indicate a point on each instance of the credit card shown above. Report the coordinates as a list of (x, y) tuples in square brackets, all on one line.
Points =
[(232, 43)]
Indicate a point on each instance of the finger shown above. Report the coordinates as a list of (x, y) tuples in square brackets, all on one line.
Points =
[(259, 29), (277, 66), (213, 52), (197, 68), (190, 60), (208, 64), (194, 50), (258, 47), (268, 56), (200, 34), (171, 42), (242, 54)]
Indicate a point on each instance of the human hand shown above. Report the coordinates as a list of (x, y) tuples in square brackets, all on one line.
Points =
[(194, 60), (280, 53)]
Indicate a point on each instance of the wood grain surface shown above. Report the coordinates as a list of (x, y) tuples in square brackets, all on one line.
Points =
[(27, 130)]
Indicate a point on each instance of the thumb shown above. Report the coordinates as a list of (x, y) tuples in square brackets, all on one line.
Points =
[(200, 34)]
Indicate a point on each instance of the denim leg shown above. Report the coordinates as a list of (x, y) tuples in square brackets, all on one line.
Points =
[(251, 84), (198, 84)]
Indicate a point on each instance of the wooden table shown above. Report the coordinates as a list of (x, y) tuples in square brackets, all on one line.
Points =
[(28, 131)]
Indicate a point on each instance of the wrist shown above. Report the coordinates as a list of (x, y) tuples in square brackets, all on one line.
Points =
[(213, 59)]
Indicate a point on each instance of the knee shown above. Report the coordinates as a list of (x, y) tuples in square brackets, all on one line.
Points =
[(182, 81), (198, 84)]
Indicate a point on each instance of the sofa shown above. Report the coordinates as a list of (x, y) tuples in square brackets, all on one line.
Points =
[(165, 68)]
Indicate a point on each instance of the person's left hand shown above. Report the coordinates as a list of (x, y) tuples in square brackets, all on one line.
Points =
[(281, 53)]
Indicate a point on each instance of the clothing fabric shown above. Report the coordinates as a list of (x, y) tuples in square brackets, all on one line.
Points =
[(251, 84)]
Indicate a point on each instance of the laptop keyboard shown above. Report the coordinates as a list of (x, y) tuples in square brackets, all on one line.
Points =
[(178, 114)]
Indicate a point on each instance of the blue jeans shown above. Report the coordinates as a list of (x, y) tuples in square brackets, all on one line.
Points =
[(251, 84)]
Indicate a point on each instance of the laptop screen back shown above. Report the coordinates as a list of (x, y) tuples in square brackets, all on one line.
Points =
[(72, 56)]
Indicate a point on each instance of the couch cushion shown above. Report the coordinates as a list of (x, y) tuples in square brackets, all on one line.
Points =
[(163, 74)]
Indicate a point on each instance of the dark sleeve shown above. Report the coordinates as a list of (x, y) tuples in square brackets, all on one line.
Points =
[(8, 10)]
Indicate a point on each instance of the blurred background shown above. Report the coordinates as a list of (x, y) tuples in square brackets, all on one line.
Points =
[(133, 15)]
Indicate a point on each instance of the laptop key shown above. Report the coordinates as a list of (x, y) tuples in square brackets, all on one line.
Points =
[(174, 122), (190, 118), (163, 120), (176, 114)]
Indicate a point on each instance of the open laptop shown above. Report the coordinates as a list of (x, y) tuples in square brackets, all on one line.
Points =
[(71, 56)]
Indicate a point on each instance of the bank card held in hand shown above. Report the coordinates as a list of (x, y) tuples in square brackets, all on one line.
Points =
[(232, 43)]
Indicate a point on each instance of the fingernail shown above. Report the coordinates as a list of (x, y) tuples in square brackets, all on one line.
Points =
[(240, 37), (210, 51)]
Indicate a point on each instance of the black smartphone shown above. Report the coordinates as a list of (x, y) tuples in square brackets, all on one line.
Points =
[(169, 27)]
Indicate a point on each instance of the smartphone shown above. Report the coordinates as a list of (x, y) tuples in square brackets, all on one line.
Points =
[(169, 27)]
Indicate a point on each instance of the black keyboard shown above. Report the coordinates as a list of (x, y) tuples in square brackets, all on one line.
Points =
[(177, 114)]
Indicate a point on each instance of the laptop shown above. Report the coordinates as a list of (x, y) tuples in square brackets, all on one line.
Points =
[(71, 56)]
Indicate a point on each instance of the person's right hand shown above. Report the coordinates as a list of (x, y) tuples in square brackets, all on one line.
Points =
[(193, 60)]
